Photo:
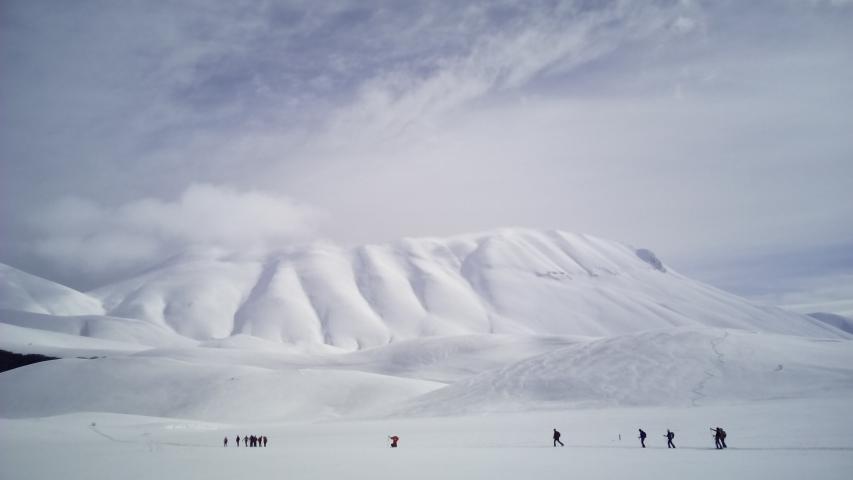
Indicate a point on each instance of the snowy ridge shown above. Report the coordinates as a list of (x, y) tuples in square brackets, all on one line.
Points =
[(508, 281), (29, 293)]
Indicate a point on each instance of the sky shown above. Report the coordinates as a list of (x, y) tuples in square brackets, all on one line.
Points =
[(718, 134)]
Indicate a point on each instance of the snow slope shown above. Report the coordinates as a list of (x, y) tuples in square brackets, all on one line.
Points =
[(508, 281), (165, 387), (126, 330), (437, 376), (680, 367), (838, 321), (28, 293), (53, 344)]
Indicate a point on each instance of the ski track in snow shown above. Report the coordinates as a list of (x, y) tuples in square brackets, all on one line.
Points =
[(151, 444), (698, 390)]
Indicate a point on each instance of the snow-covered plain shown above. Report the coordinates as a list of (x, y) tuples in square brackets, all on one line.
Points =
[(471, 349), (785, 439)]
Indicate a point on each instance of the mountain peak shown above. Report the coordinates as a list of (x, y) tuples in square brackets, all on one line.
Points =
[(511, 280)]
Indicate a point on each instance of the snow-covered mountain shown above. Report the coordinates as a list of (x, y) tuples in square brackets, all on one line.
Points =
[(507, 281), (513, 319)]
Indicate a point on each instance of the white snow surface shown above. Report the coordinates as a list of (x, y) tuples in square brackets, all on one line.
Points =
[(470, 348), (779, 440), (680, 367), (29, 293)]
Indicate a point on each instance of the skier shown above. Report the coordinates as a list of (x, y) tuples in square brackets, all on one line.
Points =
[(642, 438), (225, 442), (394, 439), (238, 440), (723, 438), (265, 440), (718, 437), (669, 436), (245, 440), (557, 438)]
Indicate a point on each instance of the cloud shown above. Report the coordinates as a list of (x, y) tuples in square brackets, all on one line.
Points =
[(830, 294), (402, 104), (698, 129), (84, 236)]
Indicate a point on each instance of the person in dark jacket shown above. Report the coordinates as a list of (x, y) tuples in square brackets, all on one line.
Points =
[(669, 436), (642, 438), (557, 438), (238, 440), (225, 442), (723, 438), (718, 437), (394, 439)]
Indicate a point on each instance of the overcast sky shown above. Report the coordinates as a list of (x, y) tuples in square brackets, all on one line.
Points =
[(718, 134)]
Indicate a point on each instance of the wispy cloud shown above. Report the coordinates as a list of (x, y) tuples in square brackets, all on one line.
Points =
[(698, 129)]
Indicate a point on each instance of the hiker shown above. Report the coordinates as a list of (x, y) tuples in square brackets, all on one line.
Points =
[(718, 437), (245, 440), (723, 438), (642, 438), (265, 441), (394, 439), (669, 436), (238, 440), (557, 438), (225, 442)]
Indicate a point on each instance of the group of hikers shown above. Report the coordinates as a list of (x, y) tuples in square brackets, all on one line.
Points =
[(249, 441), (670, 435), (719, 437)]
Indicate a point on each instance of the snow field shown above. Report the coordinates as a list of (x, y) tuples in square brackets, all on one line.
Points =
[(786, 439)]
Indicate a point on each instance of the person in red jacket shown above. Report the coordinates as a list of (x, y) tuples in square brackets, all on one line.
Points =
[(394, 439)]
